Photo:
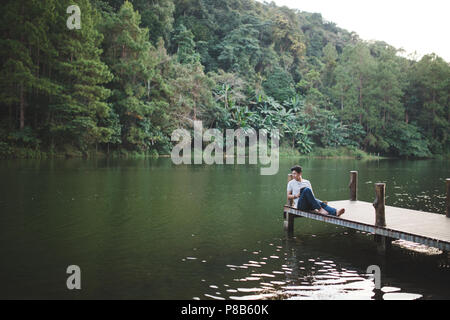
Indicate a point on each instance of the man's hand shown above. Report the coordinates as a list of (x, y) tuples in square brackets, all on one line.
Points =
[(295, 196), (292, 196)]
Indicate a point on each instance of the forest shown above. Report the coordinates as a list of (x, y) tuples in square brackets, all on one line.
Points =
[(137, 70)]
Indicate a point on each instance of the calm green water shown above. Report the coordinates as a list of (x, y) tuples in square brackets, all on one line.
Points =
[(148, 229)]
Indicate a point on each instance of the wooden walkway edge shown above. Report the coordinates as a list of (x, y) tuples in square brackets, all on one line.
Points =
[(426, 228)]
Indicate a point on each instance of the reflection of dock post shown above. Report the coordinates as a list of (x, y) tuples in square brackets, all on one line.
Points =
[(447, 181), (353, 185), (378, 294), (383, 242)]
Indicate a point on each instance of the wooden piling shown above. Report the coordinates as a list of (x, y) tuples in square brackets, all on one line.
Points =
[(290, 202), (353, 185), (448, 197), (383, 242), (289, 222), (379, 205)]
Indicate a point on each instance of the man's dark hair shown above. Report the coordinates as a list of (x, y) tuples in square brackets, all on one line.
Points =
[(297, 169)]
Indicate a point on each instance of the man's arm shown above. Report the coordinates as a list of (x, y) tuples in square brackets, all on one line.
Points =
[(290, 196), (289, 192)]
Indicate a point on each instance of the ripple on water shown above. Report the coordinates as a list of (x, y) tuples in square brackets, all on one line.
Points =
[(263, 275), (252, 265), (266, 284), (401, 296), (280, 283), (250, 289), (278, 272), (214, 297), (255, 297), (253, 278), (390, 289)]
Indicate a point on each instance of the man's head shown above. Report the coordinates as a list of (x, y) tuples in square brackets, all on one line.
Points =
[(296, 172)]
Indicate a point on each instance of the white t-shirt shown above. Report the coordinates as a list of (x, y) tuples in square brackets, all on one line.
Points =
[(295, 187)]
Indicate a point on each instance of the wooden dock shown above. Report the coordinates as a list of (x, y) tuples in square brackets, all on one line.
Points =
[(385, 222)]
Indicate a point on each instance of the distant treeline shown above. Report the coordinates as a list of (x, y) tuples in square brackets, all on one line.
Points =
[(138, 70)]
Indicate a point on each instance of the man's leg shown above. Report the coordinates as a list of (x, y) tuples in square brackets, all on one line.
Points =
[(307, 201), (331, 211)]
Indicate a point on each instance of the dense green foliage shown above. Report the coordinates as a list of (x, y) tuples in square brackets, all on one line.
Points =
[(137, 70)]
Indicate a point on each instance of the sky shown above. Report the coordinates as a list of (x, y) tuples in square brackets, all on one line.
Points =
[(421, 26)]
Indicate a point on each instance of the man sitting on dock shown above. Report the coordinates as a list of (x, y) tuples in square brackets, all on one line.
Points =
[(300, 190)]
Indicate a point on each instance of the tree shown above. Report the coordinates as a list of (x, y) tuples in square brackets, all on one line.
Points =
[(192, 93), (24, 46), (240, 51), (330, 57), (430, 85), (353, 78), (127, 53), (183, 40), (81, 104), (279, 84)]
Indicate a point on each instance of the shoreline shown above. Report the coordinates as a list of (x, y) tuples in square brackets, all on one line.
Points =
[(281, 156), (284, 153)]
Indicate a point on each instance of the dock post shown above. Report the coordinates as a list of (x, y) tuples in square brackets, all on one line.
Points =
[(379, 205), (353, 185), (289, 203), (289, 223), (383, 242), (447, 181)]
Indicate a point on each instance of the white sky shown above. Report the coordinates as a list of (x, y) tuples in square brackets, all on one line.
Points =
[(414, 25)]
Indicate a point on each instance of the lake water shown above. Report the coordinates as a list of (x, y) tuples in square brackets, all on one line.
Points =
[(148, 229)]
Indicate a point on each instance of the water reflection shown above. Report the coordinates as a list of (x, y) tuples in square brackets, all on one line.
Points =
[(285, 272)]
